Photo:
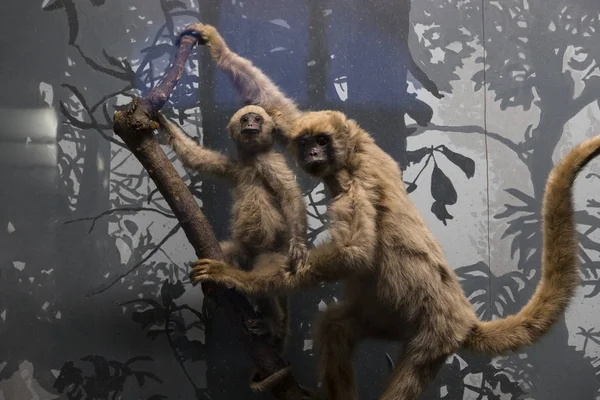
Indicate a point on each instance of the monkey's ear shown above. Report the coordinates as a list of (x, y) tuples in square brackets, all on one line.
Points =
[(339, 120)]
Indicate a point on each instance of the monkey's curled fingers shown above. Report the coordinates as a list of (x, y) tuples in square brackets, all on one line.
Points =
[(207, 270), (206, 34), (298, 257)]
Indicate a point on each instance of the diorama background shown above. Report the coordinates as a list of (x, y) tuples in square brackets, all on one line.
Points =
[(94, 299)]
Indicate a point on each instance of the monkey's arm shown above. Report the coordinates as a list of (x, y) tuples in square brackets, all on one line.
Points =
[(253, 84), (192, 155), (349, 253), (284, 184)]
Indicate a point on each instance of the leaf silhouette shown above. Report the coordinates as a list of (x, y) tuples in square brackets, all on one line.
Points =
[(149, 317), (130, 226), (463, 162), (476, 281), (442, 189), (415, 156), (190, 350), (142, 375), (171, 291), (440, 211), (525, 198), (411, 187)]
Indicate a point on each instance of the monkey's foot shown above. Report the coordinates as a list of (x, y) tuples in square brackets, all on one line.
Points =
[(258, 385), (206, 270), (261, 385)]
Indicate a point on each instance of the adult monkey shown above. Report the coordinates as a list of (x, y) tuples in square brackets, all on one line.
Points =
[(268, 213), (398, 284)]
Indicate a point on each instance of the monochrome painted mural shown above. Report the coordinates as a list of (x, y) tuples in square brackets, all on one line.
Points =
[(476, 100)]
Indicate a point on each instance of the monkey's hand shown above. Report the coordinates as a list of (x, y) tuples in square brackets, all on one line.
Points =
[(207, 35), (298, 256), (207, 270)]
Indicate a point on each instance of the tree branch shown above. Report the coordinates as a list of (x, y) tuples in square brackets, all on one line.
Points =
[(135, 125), (515, 147)]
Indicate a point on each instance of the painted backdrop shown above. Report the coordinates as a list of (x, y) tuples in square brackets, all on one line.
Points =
[(475, 100)]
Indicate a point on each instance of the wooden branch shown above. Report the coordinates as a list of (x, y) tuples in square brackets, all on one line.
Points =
[(135, 125)]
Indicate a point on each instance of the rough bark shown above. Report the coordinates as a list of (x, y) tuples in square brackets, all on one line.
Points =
[(135, 125)]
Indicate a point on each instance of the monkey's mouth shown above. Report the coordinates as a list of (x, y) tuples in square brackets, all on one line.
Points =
[(250, 131), (315, 165)]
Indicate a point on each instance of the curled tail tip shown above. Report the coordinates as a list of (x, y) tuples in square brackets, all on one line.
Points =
[(564, 173), (581, 155)]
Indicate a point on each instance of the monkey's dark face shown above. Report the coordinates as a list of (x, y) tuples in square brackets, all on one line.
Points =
[(252, 129), (315, 153), (320, 141)]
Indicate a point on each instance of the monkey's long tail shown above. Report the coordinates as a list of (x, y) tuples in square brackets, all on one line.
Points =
[(560, 272)]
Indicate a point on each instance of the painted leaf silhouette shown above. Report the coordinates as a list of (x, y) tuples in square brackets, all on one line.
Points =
[(476, 281), (463, 162), (130, 226), (411, 187), (442, 189), (190, 350), (440, 211), (171, 291), (415, 156), (153, 315), (142, 375)]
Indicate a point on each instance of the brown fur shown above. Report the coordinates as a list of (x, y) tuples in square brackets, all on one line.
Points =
[(268, 210), (253, 84), (397, 282)]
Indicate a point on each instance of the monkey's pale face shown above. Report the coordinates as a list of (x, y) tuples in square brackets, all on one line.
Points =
[(252, 129)]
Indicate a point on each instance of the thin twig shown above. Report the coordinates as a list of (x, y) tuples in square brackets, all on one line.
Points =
[(136, 266), (114, 211)]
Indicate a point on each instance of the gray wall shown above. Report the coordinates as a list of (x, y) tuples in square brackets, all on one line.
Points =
[(93, 265)]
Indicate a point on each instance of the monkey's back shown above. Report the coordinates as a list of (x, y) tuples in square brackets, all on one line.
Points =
[(413, 276)]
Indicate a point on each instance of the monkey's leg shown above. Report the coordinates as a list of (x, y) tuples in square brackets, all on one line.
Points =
[(283, 323), (276, 310), (337, 335), (232, 253), (416, 368)]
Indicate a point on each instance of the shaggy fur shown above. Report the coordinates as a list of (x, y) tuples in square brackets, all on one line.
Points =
[(255, 87), (397, 282), (268, 210)]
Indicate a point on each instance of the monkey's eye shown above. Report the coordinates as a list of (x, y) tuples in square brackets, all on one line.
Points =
[(322, 140), (257, 118), (302, 141)]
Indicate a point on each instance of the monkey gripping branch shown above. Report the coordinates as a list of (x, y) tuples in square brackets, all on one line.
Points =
[(135, 125)]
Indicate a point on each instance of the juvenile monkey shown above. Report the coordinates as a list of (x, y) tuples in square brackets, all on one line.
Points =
[(268, 212), (397, 282)]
